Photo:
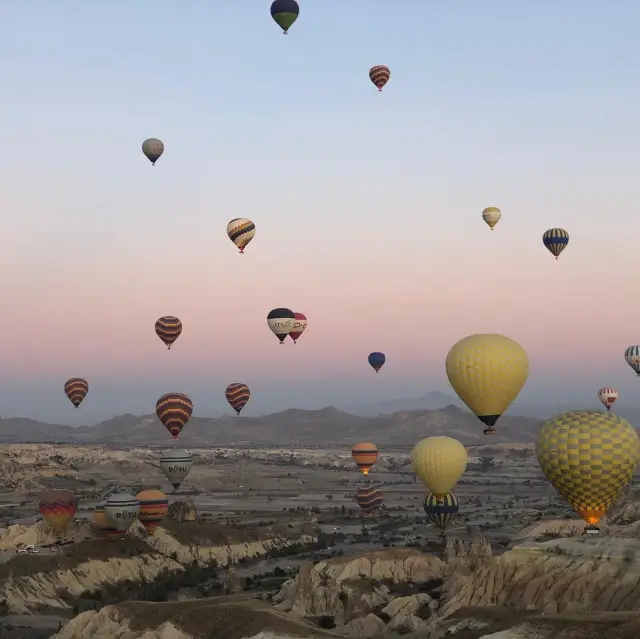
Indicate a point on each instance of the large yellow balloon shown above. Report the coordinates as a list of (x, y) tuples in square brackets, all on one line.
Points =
[(588, 456), (439, 463), (487, 372)]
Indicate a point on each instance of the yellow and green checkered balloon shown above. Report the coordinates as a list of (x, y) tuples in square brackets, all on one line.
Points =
[(588, 456)]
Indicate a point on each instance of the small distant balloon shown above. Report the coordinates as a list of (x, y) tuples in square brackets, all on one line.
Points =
[(285, 13), (299, 327), (280, 321), (365, 455), (76, 390), (176, 465), (555, 240), (441, 511), (607, 396), (379, 75), (153, 149), (491, 216), (168, 329), (237, 395), (377, 360), (369, 498), (174, 410), (632, 357), (241, 231)]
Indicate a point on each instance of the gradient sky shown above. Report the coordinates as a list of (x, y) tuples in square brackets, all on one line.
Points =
[(367, 205)]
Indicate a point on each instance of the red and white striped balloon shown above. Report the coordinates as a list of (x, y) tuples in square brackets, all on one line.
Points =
[(608, 396)]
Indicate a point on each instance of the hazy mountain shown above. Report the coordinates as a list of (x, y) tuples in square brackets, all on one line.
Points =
[(293, 427), (429, 401)]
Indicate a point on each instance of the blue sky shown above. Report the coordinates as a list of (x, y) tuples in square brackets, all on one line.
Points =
[(528, 106)]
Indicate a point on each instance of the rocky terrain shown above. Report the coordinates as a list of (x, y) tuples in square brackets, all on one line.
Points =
[(296, 427)]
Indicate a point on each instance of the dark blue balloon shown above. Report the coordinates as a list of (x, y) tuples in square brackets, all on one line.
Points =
[(377, 360)]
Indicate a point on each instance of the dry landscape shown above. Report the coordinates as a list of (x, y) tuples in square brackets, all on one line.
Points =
[(268, 539)]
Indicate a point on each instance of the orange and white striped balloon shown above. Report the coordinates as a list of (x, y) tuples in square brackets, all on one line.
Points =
[(607, 396)]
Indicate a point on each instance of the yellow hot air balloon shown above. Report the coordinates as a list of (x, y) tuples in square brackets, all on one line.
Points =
[(588, 456), (439, 463), (491, 215), (487, 372)]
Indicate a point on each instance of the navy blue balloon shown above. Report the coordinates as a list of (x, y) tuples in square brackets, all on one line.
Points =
[(377, 360)]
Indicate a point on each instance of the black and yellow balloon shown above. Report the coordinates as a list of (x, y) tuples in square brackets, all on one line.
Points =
[(487, 372), (588, 456)]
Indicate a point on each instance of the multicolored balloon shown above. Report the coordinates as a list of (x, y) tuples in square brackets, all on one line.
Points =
[(491, 216), (369, 498), (168, 329), (441, 512), (299, 327), (365, 455), (632, 357), (153, 149), (176, 465), (285, 13), (439, 462), (174, 410), (122, 510), (588, 456), (76, 390), (237, 395), (241, 231), (153, 507), (555, 240), (57, 508), (607, 396), (377, 360), (281, 321), (487, 372), (379, 75), (102, 523)]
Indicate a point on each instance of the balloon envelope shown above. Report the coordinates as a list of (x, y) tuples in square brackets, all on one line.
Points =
[(285, 13), (57, 508), (439, 462), (441, 512), (588, 456), (176, 465), (121, 510), (369, 498), (365, 455), (607, 396), (153, 149), (174, 410), (102, 523), (376, 360), (491, 216), (556, 240), (299, 327), (280, 321), (76, 390), (379, 75), (237, 395), (168, 329), (487, 372), (632, 357), (153, 507), (241, 231)]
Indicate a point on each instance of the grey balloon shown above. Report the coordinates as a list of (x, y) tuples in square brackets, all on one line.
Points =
[(121, 510), (153, 149), (176, 464)]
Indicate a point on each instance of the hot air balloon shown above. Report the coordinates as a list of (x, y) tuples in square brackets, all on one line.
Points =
[(299, 327), (555, 240), (280, 321), (365, 455), (608, 397), (491, 216), (153, 149), (442, 512), (153, 507), (174, 411), (487, 372), (237, 395), (632, 355), (241, 231), (57, 508), (285, 13), (121, 510), (588, 456), (379, 75), (439, 462), (369, 499), (168, 329), (176, 464), (377, 360), (76, 390), (102, 523)]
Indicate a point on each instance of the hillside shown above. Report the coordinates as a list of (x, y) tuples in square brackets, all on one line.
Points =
[(292, 427)]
